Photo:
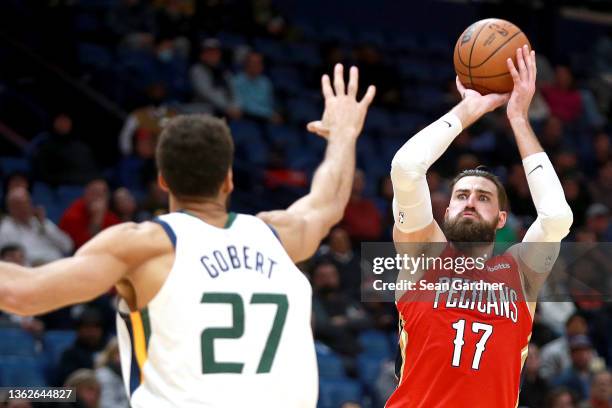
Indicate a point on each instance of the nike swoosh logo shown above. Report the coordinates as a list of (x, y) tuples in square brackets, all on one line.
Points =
[(448, 123), (537, 167)]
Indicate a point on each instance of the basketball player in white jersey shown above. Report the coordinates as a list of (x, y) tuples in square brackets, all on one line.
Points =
[(214, 312)]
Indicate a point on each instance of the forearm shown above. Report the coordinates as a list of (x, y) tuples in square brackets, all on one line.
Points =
[(12, 277), (333, 180), (526, 140), (412, 203)]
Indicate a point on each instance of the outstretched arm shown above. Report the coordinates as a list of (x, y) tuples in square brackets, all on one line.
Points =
[(540, 246), (412, 211), (306, 222)]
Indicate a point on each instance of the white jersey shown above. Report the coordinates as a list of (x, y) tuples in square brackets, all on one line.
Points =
[(230, 326)]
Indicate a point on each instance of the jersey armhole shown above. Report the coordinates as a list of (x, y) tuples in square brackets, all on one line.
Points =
[(168, 229), (274, 232)]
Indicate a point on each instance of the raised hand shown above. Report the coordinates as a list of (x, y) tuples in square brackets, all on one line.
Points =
[(481, 103), (342, 110), (524, 83)]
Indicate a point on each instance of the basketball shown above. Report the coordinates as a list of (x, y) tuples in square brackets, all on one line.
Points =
[(481, 53)]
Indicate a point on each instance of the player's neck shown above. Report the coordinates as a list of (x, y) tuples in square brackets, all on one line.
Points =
[(213, 211)]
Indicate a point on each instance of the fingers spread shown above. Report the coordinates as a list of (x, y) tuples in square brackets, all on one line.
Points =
[(339, 80), (520, 61), (515, 75), (326, 87), (353, 82), (369, 96)]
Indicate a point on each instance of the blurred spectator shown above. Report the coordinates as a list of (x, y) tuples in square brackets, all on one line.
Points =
[(15, 254), (124, 205), (374, 70), (519, 196), (561, 398), (133, 23), (601, 188), (340, 251), (108, 373), (362, 220), (254, 90), (88, 342), (555, 356), (16, 180), (170, 69), (30, 228), (137, 169), (337, 318), (212, 83), (59, 157), (174, 21), (577, 196), (598, 222), (156, 202), (541, 334), (147, 120), (564, 100), (578, 376), (89, 214), (603, 150), (601, 391), (87, 388), (534, 388), (552, 136)]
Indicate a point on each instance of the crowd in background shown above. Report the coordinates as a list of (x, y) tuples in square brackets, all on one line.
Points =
[(245, 61)]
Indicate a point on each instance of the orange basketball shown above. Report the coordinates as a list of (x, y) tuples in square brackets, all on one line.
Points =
[(481, 53)]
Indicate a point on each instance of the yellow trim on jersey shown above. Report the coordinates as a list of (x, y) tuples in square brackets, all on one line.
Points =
[(140, 345)]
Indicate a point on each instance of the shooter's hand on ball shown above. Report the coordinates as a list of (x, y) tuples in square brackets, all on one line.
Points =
[(474, 105), (524, 83), (342, 110)]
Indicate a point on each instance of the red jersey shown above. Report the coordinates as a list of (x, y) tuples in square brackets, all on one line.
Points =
[(461, 345)]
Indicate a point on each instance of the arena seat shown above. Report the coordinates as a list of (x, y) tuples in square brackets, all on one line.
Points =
[(10, 165), (368, 369), (21, 371), (16, 342), (334, 393), (374, 343)]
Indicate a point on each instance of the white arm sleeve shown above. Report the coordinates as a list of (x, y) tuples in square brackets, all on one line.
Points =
[(541, 246), (412, 202)]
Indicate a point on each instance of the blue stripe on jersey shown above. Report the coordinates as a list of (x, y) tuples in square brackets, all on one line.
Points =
[(134, 369), (168, 230), (274, 232)]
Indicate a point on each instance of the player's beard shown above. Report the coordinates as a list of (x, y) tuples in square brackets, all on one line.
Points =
[(462, 229)]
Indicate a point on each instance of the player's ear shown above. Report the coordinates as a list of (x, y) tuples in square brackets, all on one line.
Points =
[(501, 219), (228, 183), (162, 183)]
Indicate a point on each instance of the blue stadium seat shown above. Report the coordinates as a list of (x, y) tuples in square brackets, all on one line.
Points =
[(231, 40), (305, 54), (286, 79), (334, 393), (21, 371), (368, 369), (56, 341), (66, 194), (271, 49), (95, 56), (16, 342), (378, 120), (42, 193), (249, 141), (330, 365), (87, 23), (302, 111), (281, 135), (14, 164), (374, 38), (375, 343)]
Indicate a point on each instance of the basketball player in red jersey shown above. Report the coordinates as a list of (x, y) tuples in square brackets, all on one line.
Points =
[(466, 348)]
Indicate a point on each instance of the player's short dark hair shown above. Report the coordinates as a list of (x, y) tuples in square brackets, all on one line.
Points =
[(8, 248), (194, 154), (483, 171)]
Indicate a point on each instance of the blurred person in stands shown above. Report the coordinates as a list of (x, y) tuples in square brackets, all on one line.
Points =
[(15, 254), (254, 90), (60, 157), (601, 391), (598, 222), (147, 120), (601, 188), (89, 214), (174, 21), (374, 70), (561, 398), (518, 192), (603, 150), (534, 388), (170, 68), (29, 227), (555, 356), (155, 203), (108, 373), (15, 180), (124, 205), (562, 96), (577, 195), (87, 388), (337, 318), (137, 169), (578, 376), (88, 342), (212, 83), (362, 219), (552, 135), (339, 251), (132, 22)]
